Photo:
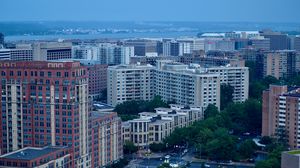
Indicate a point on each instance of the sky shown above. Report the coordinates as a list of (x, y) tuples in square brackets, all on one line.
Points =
[(151, 10)]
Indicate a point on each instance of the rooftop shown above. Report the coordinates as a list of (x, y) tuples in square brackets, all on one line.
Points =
[(97, 114), (102, 106), (31, 153), (294, 152)]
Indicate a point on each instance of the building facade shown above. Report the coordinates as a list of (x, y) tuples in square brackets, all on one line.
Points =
[(106, 134), (281, 64), (45, 103), (44, 51), (174, 82), (30, 157), (154, 127), (280, 114), (129, 82), (5, 54)]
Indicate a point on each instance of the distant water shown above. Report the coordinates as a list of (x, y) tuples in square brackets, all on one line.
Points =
[(102, 36), (15, 31)]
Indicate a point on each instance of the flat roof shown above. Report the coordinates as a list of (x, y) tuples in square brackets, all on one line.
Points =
[(31, 153), (99, 105), (294, 152), (99, 114)]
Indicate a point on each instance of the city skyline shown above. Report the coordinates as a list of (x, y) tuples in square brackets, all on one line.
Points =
[(134, 10)]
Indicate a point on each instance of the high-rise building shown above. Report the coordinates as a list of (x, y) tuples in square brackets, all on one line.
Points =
[(278, 41), (43, 51), (45, 103), (280, 114), (97, 77), (281, 64), (22, 52), (85, 52), (143, 47), (106, 135), (297, 43), (1, 39), (106, 53), (260, 44), (235, 76), (114, 54), (5, 54), (219, 44), (129, 82), (174, 82)]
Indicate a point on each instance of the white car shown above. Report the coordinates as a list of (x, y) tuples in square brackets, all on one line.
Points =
[(206, 165)]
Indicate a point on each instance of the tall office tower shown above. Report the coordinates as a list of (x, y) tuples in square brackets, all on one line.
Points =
[(175, 82), (5, 54), (1, 39), (297, 43), (143, 47), (242, 34), (281, 64), (143, 60), (129, 82), (85, 52), (189, 45), (240, 44), (278, 41), (280, 114), (43, 51), (114, 54), (106, 135), (219, 44), (45, 103), (260, 43), (169, 47), (97, 77), (22, 52)]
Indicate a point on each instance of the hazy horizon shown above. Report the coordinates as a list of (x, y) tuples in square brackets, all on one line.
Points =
[(266, 11)]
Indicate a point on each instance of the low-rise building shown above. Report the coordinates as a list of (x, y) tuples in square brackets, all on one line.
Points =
[(290, 159), (154, 127), (45, 157)]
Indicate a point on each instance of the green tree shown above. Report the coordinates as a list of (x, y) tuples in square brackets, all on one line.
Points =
[(246, 149), (226, 95), (157, 147), (129, 147), (164, 165), (210, 111), (253, 116), (222, 146)]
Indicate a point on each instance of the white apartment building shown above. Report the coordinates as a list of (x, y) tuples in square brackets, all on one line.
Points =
[(85, 52), (175, 82), (115, 54), (155, 127), (106, 53), (237, 77), (129, 82)]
